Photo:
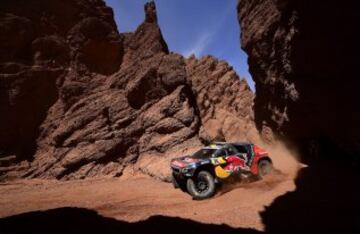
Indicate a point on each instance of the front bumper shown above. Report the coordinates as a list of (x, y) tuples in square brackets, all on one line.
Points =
[(183, 172)]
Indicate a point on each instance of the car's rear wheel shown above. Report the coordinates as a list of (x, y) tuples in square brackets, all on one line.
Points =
[(265, 167), (202, 186)]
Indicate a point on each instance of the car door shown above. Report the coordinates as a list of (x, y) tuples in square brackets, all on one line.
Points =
[(220, 153), (235, 160)]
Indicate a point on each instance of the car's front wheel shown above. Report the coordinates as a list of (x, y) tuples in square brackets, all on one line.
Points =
[(202, 186)]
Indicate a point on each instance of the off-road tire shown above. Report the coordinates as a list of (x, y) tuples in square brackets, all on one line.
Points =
[(195, 185), (265, 168)]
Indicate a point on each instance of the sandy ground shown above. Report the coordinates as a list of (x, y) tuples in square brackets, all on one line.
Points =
[(138, 198), (134, 196)]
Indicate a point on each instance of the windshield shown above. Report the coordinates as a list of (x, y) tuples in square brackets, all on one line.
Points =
[(204, 153)]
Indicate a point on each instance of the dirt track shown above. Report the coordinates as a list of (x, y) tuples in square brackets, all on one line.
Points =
[(141, 197)]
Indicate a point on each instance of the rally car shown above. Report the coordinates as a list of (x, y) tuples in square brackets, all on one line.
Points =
[(199, 174)]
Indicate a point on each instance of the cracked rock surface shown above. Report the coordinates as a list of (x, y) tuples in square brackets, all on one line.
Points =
[(82, 100)]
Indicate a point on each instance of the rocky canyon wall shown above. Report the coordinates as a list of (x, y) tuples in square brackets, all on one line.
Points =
[(303, 58), (224, 101), (79, 99)]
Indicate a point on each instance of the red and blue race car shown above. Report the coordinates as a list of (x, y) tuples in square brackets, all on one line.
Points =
[(200, 173)]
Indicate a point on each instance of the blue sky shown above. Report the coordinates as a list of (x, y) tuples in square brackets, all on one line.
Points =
[(200, 27)]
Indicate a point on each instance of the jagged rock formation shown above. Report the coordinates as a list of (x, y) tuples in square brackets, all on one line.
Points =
[(303, 57), (81, 100), (40, 44), (225, 101)]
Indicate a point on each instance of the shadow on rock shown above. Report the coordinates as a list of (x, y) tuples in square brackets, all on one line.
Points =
[(78, 220), (326, 200)]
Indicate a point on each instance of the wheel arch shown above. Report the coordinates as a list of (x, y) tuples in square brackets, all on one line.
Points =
[(265, 158), (255, 165), (206, 167)]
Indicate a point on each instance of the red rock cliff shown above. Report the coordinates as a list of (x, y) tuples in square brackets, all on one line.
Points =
[(81, 100)]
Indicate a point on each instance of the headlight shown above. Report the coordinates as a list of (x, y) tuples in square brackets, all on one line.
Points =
[(188, 169), (185, 170)]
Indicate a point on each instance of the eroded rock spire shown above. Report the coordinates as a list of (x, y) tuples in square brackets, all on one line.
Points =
[(150, 12)]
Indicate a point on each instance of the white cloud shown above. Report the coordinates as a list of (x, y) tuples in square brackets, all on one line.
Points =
[(205, 38), (202, 42)]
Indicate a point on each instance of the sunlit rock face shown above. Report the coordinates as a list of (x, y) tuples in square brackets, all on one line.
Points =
[(224, 100), (79, 99), (303, 57)]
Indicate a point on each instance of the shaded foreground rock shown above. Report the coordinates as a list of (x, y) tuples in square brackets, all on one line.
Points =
[(38, 51), (82, 100)]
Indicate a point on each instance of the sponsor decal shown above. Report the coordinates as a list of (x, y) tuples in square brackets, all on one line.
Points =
[(178, 164), (190, 160)]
